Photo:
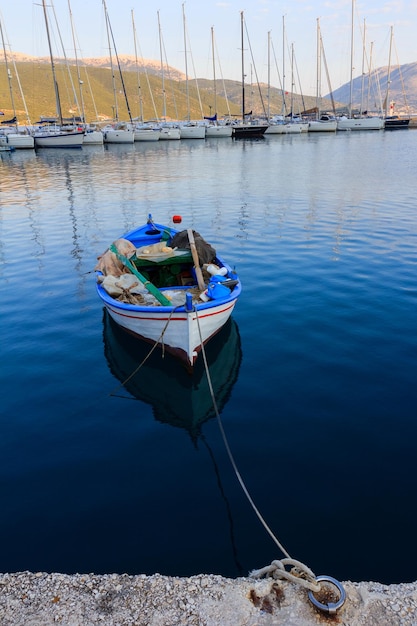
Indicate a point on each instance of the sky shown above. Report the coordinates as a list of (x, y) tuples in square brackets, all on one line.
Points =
[(265, 23)]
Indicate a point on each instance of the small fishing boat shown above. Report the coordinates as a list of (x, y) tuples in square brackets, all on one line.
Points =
[(247, 127), (167, 287)]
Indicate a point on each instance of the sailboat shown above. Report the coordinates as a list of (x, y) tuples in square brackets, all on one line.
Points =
[(392, 122), (143, 131), (10, 134), (93, 135), (214, 129), (287, 123), (357, 122), (119, 132), (277, 125), (295, 123), (169, 131), (322, 123), (189, 129), (246, 129), (49, 133)]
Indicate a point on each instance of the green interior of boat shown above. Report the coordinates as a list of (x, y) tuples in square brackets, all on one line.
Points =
[(174, 271)]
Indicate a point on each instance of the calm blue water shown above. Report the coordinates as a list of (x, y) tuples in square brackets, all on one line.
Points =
[(316, 378)]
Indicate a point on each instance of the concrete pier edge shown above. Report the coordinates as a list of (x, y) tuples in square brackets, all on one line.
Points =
[(46, 599)]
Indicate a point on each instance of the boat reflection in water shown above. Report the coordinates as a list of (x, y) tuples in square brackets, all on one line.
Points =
[(176, 396), (179, 398)]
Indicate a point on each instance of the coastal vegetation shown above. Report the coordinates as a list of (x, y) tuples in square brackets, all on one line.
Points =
[(144, 90)]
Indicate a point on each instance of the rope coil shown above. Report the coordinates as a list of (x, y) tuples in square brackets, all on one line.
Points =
[(300, 573)]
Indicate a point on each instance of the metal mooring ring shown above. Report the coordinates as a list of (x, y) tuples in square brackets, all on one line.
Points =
[(331, 607)]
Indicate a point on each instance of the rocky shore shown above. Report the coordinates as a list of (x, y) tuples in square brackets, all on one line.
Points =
[(41, 599)]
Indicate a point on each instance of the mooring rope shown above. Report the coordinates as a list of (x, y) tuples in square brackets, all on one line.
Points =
[(300, 574)]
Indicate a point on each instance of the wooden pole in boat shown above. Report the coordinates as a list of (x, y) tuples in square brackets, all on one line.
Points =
[(198, 272)]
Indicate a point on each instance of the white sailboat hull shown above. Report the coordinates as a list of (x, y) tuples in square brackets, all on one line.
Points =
[(360, 123), (192, 132), (59, 140), (147, 134), (276, 129), (286, 128), (114, 135), (93, 138), (219, 131), (168, 133), (19, 141), (292, 128), (322, 126)]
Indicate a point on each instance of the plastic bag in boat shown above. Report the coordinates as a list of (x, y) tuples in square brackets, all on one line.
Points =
[(116, 285)]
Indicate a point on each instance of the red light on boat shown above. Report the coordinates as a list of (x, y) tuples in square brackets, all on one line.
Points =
[(177, 219)]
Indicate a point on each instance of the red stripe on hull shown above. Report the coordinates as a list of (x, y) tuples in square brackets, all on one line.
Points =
[(164, 319)]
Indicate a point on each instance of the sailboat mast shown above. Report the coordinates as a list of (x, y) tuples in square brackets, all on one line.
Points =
[(9, 75), (323, 57), (243, 67), (164, 95), (57, 99), (284, 106), (369, 79), (363, 66), (116, 109), (269, 75), (137, 68), (318, 86), (351, 60), (387, 103), (80, 82), (292, 81), (186, 61), (214, 71)]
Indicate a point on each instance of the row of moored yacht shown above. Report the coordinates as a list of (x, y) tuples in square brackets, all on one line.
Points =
[(46, 135)]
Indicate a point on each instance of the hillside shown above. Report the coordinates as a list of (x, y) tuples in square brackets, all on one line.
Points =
[(402, 89), (144, 87), (35, 78)]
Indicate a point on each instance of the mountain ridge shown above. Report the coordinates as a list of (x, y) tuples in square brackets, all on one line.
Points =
[(147, 88), (372, 90)]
